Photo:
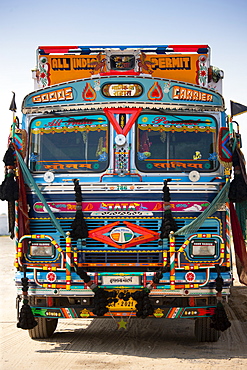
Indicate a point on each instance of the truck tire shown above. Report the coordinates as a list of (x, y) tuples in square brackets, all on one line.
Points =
[(44, 329), (203, 331)]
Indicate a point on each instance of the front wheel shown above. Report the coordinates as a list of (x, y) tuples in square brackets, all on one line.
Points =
[(204, 332), (44, 329)]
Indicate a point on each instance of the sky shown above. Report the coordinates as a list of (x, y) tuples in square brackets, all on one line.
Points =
[(25, 25)]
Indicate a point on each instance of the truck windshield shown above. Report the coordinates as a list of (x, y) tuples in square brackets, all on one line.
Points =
[(68, 144), (175, 143)]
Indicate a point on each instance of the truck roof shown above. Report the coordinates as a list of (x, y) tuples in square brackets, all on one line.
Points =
[(159, 49)]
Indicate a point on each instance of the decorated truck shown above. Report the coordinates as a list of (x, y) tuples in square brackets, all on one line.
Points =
[(120, 190)]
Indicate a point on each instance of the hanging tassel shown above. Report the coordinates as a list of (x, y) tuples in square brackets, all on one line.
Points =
[(239, 246), (9, 187), (9, 158), (102, 299), (26, 318), (9, 191), (238, 187), (219, 319), (79, 226), (168, 222)]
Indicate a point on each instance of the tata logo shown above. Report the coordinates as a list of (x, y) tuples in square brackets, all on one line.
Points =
[(121, 235)]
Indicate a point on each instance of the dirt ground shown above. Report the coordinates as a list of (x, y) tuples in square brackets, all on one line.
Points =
[(97, 344)]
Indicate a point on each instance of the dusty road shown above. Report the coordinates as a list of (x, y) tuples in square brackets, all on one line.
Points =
[(146, 344)]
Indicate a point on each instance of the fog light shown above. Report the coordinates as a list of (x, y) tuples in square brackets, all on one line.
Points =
[(41, 249), (203, 248)]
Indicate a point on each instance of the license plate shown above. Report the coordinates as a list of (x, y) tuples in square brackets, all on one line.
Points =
[(121, 280), (122, 305)]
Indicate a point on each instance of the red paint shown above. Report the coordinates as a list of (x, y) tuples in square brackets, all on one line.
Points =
[(134, 112)]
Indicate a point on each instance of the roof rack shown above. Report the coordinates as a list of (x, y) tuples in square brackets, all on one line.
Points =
[(159, 49)]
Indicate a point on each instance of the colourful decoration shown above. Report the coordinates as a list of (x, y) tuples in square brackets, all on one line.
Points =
[(190, 276), (212, 157), (122, 90), (143, 156), (133, 112), (20, 141), (167, 123), (89, 94), (143, 64), (85, 313), (68, 262), (99, 64), (184, 93), (197, 155), (172, 262), (43, 72), (68, 207), (69, 63), (202, 70), (145, 235), (179, 94), (51, 277), (121, 235), (167, 86), (60, 95), (103, 157), (122, 324), (155, 92), (158, 313), (224, 148), (228, 235)]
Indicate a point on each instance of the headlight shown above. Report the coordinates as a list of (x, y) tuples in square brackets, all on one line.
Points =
[(41, 249), (200, 247)]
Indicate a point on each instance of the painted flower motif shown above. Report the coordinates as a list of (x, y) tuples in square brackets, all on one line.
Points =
[(51, 277), (43, 73), (212, 157), (167, 87), (143, 156), (190, 276), (97, 85), (203, 73), (103, 157), (33, 157)]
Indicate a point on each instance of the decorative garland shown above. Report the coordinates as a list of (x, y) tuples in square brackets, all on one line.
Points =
[(103, 298), (144, 307), (159, 274), (168, 222), (79, 226)]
